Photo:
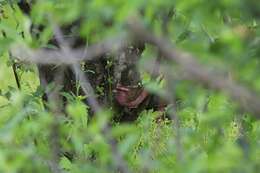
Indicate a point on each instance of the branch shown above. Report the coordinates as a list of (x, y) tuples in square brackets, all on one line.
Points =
[(55, 105), (93, 103), (248, 100), (89, 91), (51, 56)]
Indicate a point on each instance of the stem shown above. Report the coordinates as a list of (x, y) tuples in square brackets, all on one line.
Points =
[(16, 76)]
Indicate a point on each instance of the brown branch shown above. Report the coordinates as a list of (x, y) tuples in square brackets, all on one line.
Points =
[(93, 103), (55, 103), (51, 56), (248, 100), (174, 116)]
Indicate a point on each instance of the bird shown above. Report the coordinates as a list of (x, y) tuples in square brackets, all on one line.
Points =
[(130, 96)]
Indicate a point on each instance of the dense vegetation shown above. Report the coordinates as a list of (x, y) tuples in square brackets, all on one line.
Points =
[(200, 58)]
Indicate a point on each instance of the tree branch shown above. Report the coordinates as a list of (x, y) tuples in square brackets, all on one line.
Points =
[(51, 56), (248, 100)]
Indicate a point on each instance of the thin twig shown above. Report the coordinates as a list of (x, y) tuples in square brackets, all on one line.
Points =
[(174, 116)]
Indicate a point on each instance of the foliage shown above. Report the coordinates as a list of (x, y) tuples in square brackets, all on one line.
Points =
[(214, 135)]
